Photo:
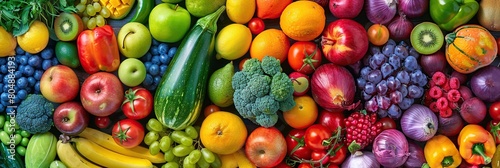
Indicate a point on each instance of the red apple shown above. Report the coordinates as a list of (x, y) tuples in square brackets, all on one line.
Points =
[(70, 118), (101, 94), (344, 42), (300, 83), (323, 3), (59, 84), (265, 147), (346, 9)]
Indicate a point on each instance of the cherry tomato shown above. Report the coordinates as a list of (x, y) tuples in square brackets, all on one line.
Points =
[(333, 166), (495, 110), (304, 57), (256, 25), (318, 157), (378, 34), (388, 123), (305, 165), (295, 139), (138, 103), (332, 120), (128, 133), (282, 165), (339, 156), (210, 109), (240, 66), (315, 135), (102, 122), (494, 127), (303, 114)]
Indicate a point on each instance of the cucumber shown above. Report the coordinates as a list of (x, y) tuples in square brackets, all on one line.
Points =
[(8, 160), (181, 91)]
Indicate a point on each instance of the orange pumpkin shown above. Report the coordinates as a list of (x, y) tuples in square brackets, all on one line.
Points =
[(469, 48)]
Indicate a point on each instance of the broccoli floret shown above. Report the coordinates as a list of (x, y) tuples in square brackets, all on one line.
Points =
[(240, 80), (34, 114), (281, 87), (266, 105), (271, 65), (287, 104), (252, 66), (259, 85), (267, 120)]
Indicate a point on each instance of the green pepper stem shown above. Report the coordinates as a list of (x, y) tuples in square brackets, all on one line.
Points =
[(447, 161), (425, 165), (478, 149)]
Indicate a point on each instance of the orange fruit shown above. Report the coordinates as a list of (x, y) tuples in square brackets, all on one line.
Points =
[(271, 9), (35, 39), (303, 20), (270, 42), (223, 132), (304, 113)]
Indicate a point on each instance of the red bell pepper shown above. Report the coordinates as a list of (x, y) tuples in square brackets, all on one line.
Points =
[(98, 50)]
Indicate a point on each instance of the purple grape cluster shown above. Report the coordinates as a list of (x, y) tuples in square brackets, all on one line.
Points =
[(391, 79), (156, 61), (21, 75)]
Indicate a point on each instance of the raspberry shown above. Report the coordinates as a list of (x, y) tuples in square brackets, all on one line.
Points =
[(446, 86), (433, 107), (453, 105), (454, 83), (439, 78), (453, 95), (435, 92), (445, 113), (442, 103)]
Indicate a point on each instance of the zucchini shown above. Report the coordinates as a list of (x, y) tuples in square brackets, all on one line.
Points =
[(8, 160), (181, 91)]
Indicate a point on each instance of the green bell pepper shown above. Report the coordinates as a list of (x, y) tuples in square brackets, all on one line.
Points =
[(449, 14)]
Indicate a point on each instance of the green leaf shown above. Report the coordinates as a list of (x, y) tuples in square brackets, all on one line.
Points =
[(23, 28), (63, 2), (25, 16)]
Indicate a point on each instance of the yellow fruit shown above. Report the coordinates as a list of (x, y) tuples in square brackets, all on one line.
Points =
[(270, 42), (240, 11), (118, 8), (8, 43), (236, 159), (303, 20), (35, 39), (233, 41), (223, 132)]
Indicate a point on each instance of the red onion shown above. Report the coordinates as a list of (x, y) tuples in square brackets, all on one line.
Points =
[(485, 84), (333, 87), (390, 148), (460, 76), (473, 110), (416, 158), (419, 123), (465, 92), (413, 8), (380, 11), (433, 62), (400, 28), (360, 159), (450, 126)]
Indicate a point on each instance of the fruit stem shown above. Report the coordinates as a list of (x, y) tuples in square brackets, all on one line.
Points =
[(123, 42)]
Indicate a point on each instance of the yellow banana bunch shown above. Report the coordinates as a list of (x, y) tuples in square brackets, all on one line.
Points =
[(68, 155)]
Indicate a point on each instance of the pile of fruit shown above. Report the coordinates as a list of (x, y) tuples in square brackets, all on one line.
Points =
[(259, 83)]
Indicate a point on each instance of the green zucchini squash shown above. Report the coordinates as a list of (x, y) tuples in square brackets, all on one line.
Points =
[(8, 160), (181, 91)]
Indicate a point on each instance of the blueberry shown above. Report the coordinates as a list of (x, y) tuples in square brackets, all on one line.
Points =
[(46, 64), (154, 70), (17, 100), (157, 80), (31, 81), (164, 58), (4, 97), (18, 74), (38, 74), (3, 61), (6, 88), (163, 69), (22, 94), (37, 87), (35, 61), (148, 80), (22, 82), (171, 51), (163, 48), (156, 60), (155, 42), (147, 65), (28, 54), (55, 61), (19, 51), (6, 79), (28, 70), (4, 69), (47, 53), (28, 89), (2, 108), (1, 85), (23, 59), (146, 57), (154, 50)]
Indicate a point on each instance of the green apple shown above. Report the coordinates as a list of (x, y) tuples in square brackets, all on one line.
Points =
[(134, 40), (132, 72), (169, 22), (172, 1)]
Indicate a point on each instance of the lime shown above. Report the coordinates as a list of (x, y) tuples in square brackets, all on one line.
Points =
[(67, 54), (233, 41), (200, 8), (220, 90)]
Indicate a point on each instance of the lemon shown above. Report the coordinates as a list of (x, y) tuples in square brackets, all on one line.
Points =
[(8, 43), (233, 41), (35, 39), (240, 11)]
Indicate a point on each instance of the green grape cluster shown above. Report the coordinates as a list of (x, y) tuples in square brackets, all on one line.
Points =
[(12, 133), (93, 13), (181, 148)]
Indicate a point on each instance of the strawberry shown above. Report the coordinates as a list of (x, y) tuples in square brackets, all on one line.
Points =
[(361, 128)]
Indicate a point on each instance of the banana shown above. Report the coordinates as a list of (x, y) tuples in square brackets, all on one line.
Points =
[(106, 141), (107, 158), (68, 155)]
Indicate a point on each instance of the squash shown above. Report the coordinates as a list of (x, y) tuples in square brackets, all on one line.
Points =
[(181, 91), (469, 48)]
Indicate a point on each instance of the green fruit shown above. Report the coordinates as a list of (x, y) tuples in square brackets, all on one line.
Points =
[(200, 8), (426, 38), (67, 26), (220, 90), (67, 54), (41, 150), (57, 164), (172, 1)]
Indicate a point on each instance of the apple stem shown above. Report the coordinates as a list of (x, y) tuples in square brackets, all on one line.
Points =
[(176, 6), (297, 81), (125, 38)]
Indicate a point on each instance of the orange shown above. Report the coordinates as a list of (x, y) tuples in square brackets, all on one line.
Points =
[(223, 132), (35, 39), (270, 42), (304, 113), (303, 20), (271, 9)]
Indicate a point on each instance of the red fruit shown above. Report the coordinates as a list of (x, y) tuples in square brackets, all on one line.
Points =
[(439, 78), (442, 103), (454, 83), (433, 107), (453, 105), (361, 129), (446, 86), (446, 113), (435, 92), (453, 95)]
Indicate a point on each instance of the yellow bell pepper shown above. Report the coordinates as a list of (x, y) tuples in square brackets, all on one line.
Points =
[(439, 152), (476, 145)]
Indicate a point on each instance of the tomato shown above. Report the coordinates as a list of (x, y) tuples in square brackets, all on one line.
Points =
[(494, 127), (388, 123), (128, 133), (332, 120), (295, 139), (315, 135), (210, 109), (339, 156), (138, 103), (495, 110), (333, 166), (378, 34), (240, 66), (304, 57), (305, 165), (319, 157), (282, 165), (256, 25), (303, 114), (102, 122)]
